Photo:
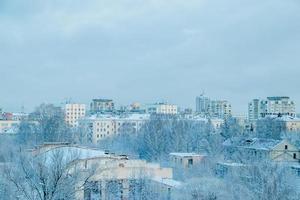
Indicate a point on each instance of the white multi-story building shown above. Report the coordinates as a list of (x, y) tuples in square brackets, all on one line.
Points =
[(162, 108), (213, 108), (281, 105), (220, 109), (256, 108), (259, 108), (73, 113), (103, 126)]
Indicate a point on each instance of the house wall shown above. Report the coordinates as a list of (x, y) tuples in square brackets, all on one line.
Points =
[(279, 153)]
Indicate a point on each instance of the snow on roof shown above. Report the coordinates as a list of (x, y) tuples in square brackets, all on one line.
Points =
[(232, 164), (134, 116), (74, 152), (167, 181), (181, 154), (259, 143), (252, 143)]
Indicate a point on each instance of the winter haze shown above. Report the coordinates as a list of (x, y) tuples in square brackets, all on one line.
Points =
[(148, 50)]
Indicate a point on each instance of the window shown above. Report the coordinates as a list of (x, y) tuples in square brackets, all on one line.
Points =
[(285, 147), (295, 156), (190, 162)]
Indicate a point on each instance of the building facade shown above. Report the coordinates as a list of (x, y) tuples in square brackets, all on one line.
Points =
[(162, 108), (73, 113), (213, 108), (281, 105), (114, 176), (104, 126), (186, 160), (102, 106), (259, 108)]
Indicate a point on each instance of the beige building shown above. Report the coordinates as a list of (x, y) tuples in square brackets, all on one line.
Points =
[(285, 151), (103, 126), (259, 149), (73, 113), (186, 160), (291, 124)]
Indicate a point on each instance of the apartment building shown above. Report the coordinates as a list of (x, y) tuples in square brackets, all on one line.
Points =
[(203, 104), (103, 126), (162, 108), (102, 106), (260, 108), (281, 105), (73, 113), (213, 108)]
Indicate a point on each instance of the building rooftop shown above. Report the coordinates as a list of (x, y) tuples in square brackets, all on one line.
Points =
[(232, 164), (168, 182), (252, 143), (182, 154), (278, 98), (133, 116), (103, 100)]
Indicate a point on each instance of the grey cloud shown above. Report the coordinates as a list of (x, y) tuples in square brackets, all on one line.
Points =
[(148, 50)]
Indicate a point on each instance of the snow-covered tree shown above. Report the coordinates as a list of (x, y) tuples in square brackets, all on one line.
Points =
[(46, 177), (45, 124)]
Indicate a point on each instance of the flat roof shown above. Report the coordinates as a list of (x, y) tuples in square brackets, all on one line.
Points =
[(182, 154)]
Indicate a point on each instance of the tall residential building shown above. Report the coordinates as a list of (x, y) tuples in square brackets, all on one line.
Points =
[(162, 108), (256, 108), (213, 108), (202, 104), (73, 113), (102, 105), (220, 109), (259, 108)]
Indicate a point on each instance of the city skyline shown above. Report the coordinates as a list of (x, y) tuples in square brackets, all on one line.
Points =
[(118, 105)]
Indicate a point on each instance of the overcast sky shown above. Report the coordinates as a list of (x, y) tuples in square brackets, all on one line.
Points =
[(148, 51)]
